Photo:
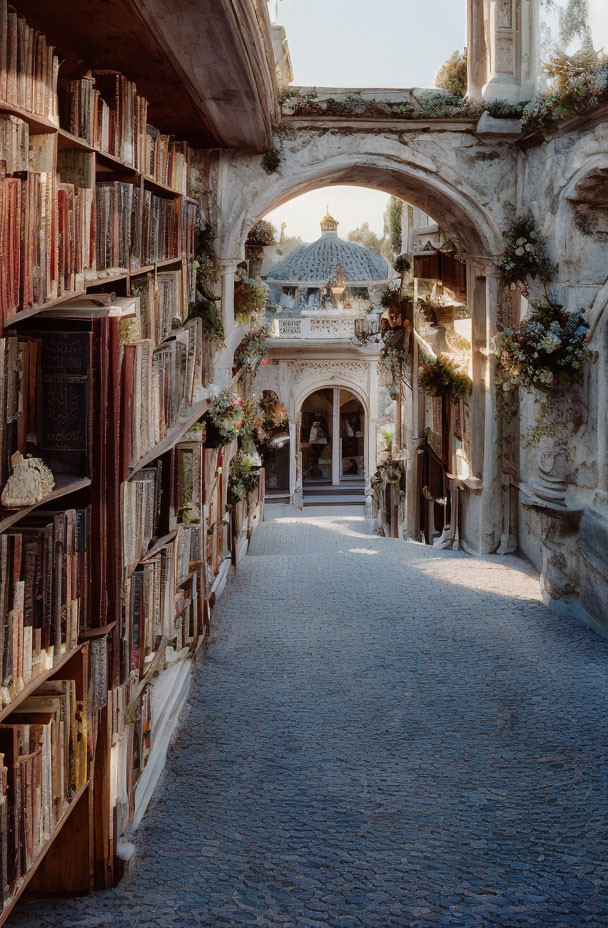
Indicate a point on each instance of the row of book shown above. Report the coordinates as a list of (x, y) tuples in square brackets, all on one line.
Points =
[(14, 144), (44, 400), (46, 245), (163, 303), (43, 746), (44, 594), (29, 68), (105, 110), (135, 227), (159, 383)]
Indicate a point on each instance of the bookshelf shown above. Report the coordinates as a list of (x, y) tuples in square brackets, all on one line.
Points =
[(101, 376)]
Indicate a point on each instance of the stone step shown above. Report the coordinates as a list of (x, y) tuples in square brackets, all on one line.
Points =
[(356, 489), (337, 500)]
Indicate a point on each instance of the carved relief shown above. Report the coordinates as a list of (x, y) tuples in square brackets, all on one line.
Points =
[(504, 14), (355, 370)]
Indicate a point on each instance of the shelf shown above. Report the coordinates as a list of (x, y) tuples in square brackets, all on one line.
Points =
[(149, 675), (67, 141), (34, 310), (63, 486), (100, 632), (45, 847), (38, 124), (172, 437), (34, 683), (165, 540)]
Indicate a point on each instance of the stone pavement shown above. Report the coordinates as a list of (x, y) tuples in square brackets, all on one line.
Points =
[(381, 735)]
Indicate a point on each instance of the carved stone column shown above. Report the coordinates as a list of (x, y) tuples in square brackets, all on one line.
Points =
[(477, 57), (512, 36)]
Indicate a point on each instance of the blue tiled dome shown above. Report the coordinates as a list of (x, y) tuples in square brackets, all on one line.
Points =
[(328, 257)]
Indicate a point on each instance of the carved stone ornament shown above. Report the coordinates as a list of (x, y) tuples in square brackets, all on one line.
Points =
[(30, 482)]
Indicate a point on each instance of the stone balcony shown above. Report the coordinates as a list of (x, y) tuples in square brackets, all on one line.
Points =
[(325, 326)]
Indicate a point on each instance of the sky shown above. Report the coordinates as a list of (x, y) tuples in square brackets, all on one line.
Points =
[(387, 43)]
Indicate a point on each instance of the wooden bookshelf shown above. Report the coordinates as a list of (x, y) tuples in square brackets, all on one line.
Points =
[(63, 487), (33, 684), (187, 420), (10, 905)]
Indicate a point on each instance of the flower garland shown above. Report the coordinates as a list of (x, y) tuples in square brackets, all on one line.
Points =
[(580, 85), (250, 297), (252, 350), (226, 416), (525, 256), (545, 351), (441, 377)]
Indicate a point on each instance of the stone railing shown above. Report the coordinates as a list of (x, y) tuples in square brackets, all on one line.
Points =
[(329, 326)]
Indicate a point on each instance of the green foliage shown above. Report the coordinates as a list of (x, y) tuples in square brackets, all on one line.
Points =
[(250, 297), (252, 350), (503, 109), (209, 311), (429, 105), (271, 160), (226, 416), (525, 255), (263, 233), (441, 377), (387, 437), (579, 84), (243, 477), (287, 243), (365, 236), (452, 75), (402, 264), (393, 223), (546, 350)]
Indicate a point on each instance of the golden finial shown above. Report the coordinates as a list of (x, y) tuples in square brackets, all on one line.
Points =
[(328, 223)]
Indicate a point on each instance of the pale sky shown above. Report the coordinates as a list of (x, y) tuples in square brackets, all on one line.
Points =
[(384, 43)]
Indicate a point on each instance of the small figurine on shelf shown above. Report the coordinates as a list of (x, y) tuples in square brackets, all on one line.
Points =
[(29, 483)]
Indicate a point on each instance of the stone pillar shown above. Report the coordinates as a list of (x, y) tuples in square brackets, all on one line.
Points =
[(477, 53), (491, 495), (512, 36), (228, 270), (335, 439)]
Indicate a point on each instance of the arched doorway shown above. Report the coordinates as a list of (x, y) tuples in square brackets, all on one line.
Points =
[(332, 442)]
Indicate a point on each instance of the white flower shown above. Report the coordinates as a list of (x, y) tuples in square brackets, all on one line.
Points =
[(519, 251)]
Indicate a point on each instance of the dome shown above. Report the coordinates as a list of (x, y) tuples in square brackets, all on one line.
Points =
[(329, 257)]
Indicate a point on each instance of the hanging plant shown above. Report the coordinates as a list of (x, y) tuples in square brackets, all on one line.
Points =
[(402, 264), (545, 351), (271, 160), (250, 297), (392, 363), (441, 377), (210, 313), (252, 350), (261, 234), (253, 418), (243, 477), (226, 417), (525, 256)]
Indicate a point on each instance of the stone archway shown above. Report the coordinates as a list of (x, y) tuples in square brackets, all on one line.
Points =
[(465, 182)]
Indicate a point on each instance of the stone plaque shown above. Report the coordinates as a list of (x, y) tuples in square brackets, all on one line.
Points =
[(504, 14), (504, 55), (289, 327)]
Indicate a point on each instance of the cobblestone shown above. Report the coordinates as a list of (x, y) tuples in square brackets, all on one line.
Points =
[(381, 735)]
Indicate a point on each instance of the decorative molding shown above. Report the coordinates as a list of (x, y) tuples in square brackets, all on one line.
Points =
[(334, 370)]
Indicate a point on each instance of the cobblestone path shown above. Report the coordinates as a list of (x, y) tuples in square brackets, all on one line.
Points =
[(380, 735)]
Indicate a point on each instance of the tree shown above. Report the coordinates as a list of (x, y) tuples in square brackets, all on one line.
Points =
[(363, 235), (288, 243), (573, 23), (393, 229), (452, 75)]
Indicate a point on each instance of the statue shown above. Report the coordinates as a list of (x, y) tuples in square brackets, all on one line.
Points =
[(29, 483)]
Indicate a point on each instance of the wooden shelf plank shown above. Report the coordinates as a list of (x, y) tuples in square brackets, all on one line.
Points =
[(45, 847), (34, 310), (158, 545), (173, 436), (34, 683), (97, 632), (38, 124), (63, 486)]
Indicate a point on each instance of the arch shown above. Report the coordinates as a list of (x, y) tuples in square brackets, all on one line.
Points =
[(581, 199), (440, 182), (323, 384)]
